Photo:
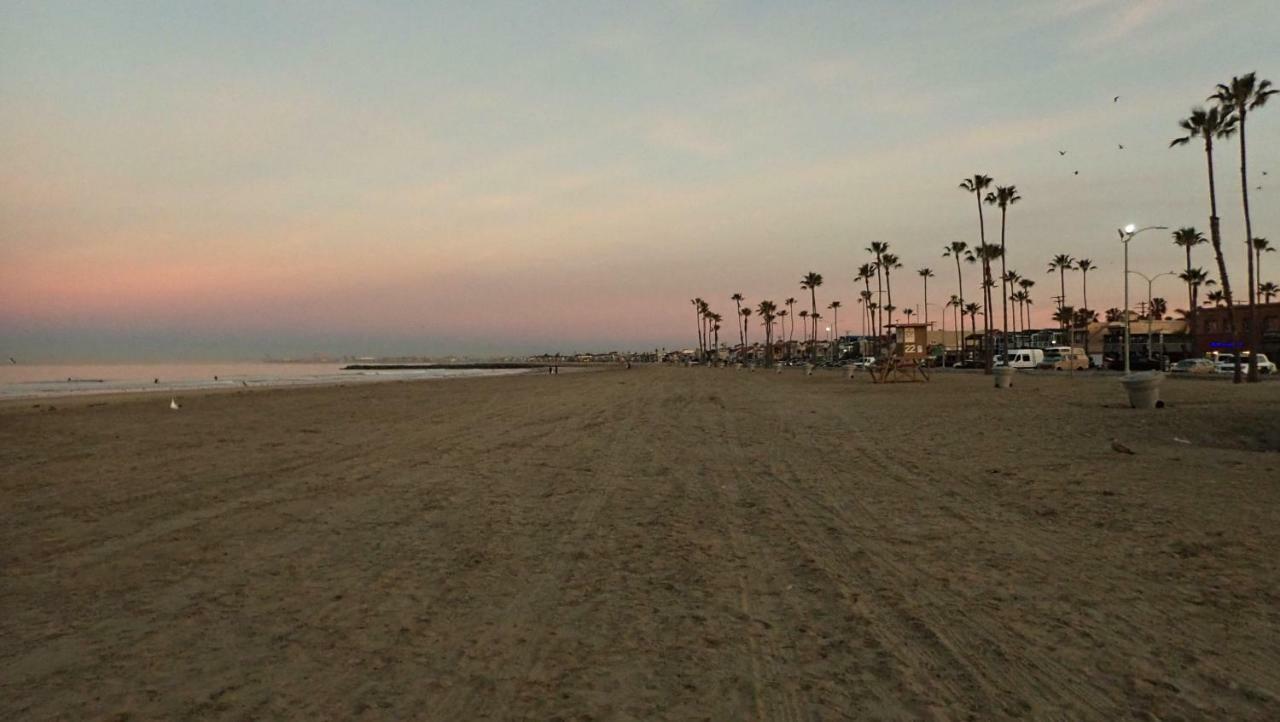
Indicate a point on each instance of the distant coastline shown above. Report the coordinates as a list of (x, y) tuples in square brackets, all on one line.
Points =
[(488, 366)]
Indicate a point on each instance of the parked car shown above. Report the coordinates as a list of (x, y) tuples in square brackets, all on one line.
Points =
[(1226, 363), (863, 362), (1194, 366), (1064, 359), (1022, 358), (1265, 365)]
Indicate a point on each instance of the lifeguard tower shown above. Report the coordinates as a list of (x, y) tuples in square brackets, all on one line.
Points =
[(904, 358)]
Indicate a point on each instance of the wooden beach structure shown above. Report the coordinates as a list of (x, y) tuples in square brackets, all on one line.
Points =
[(904, 359)]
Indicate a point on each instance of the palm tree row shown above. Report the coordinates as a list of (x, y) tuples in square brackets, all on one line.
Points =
[(1234, 101)]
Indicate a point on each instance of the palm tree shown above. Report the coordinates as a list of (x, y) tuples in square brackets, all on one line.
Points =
[(1114, 315), (1064, 315), (1243, 94), (1159, 307), (766, 311), (865, 272), (1061, 263), (976, 185), (1188, 237), (1194, 278), (746, 314), (1084, 265), (697, 310), (1217, 298), (1268, 290), (782, 320), (1209, 124), (835, 319), (890, 262), (956, 309), (742, 337), (958, 250), (926, 274), (907, 312), (1003, 197), (790, 303), (1026, 284), (804, 320), (811, 281), (1260, 246), (973, 309), (878, 249), (1020, 298)]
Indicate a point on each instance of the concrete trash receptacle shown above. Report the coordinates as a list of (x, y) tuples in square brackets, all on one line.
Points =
[(1143, 389), (1004, 376)]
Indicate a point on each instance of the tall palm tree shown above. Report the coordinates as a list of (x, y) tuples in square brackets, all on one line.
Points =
[(878, 249), (1026, 284), (1020, 298), (926, 274), (956, 306), (1268, 290), (790, 303), (835, 320), (1207, 125), (811, 281), (746, 314), (865, 298), (957, 250), (1194, 278), (973, 309), (742, 337), (1003, 197), (1061, 263), (1261, 246), (976, 185), (1187, 238), (1084, 265), (890, 262), (781, 315), (715, 327), (865, 272), (1243, 94), (804, 320), (766, 311), (697, 310)]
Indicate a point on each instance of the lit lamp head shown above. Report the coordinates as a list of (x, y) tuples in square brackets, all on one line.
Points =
[(1130, 228)]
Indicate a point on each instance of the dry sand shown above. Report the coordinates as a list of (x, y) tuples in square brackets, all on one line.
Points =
[(654, 543)]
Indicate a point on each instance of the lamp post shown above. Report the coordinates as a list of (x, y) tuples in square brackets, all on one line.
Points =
[(1150, 280), (1126, 234)]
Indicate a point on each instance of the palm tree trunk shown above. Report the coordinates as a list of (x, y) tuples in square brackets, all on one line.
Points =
[(1215, 237), (1255, 337), (813, 304), (926, 306), (879, 297), (1004, 291), (960, 288), (986, 290), (888, 290), (1084, 303)]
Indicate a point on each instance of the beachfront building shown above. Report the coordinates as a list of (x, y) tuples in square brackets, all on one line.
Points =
[(1213, 329)]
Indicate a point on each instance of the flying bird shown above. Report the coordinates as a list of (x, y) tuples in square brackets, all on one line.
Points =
[(1116, 99), (12, 360), (1121, 147), (1264, 172), (1063, 152), (173, 404), (1076, 173), (1120, 448)]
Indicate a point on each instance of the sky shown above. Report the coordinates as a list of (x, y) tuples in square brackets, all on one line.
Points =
[(237, 180)]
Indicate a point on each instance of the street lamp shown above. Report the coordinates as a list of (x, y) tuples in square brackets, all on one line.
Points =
[(1126, 234), (1151, 280)]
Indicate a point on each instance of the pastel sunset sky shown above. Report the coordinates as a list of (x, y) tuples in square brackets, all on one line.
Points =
[(227, 180)]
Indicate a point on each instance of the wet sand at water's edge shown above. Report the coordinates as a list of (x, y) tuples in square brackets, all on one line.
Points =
[(654, 543)]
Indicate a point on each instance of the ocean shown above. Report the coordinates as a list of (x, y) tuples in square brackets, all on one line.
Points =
[(18, 381)]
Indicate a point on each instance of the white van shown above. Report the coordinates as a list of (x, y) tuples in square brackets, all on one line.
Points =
[(1023, 358)]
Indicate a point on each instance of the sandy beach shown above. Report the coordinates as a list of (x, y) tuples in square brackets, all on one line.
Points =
[(659, 543)]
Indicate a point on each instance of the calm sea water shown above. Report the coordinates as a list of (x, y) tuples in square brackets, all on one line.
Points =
[(32, 381)]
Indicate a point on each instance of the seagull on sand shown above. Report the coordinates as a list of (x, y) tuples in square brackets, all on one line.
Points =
[(1120, 448), (13, 360), (173, 404)]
